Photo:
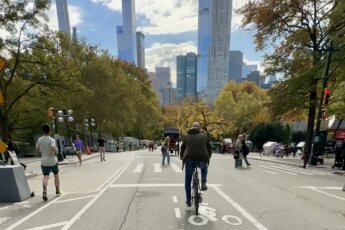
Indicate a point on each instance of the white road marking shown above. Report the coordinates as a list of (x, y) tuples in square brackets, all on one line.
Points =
[(19, 222), (115, 176), (248, 216), (328, 194), (139, 168), (203, 221), (277, 170), (3, 208), (107, 181), (267, 171), (20, 203), (74, 199), (318, 189), (158, 168), (227, 219), (175, 199), (49, 226), (292, 170), (4, 219), (153, 185), (176, 168), (308, 170), (177, 213)]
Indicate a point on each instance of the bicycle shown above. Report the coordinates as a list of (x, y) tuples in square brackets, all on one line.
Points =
[(196, 190)]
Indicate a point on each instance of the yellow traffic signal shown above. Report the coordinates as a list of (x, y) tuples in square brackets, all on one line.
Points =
[(51, 112)]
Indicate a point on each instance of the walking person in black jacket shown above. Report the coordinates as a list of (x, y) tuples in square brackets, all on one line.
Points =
[(195, 152)]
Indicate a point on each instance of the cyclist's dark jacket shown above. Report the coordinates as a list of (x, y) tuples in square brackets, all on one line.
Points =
[(196, 146)]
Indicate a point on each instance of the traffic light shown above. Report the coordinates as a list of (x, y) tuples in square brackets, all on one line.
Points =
[(51, 112), (327, 95)]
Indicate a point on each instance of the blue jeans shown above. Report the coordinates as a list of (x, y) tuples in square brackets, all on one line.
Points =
[(166, 155), (190, 165)]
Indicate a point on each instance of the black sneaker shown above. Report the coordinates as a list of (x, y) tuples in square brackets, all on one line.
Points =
[(189, 203), (203, 188), (45, 198)]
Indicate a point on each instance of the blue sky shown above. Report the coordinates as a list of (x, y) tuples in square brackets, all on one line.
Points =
[(170, 27)]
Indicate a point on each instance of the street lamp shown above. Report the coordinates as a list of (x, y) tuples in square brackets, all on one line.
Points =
[(66, 115), (89, 123)]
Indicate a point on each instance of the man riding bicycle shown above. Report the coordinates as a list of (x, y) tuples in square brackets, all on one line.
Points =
[(195, 152)]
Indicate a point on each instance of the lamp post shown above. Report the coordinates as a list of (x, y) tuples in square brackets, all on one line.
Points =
[(66, 115), (89, 123)]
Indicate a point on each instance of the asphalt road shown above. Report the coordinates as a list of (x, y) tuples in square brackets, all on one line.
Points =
[(132, 190)]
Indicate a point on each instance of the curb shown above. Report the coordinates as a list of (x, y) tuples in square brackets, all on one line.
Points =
[(341, 173)]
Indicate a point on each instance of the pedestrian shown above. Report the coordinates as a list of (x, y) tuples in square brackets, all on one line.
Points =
[(117, 147), (101, 147), (79, 146), (12, 146), (195, 152), (305, 159), (245, 150), (49, 163), (130, 146), (238, 155), (165, 150)]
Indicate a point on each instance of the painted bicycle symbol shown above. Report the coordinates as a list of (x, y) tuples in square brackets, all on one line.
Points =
[(209, 214)]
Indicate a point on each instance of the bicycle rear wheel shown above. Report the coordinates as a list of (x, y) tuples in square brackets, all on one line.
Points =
[(196, 194)]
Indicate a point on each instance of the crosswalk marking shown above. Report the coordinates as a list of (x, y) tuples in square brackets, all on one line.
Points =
[(157, 168), (291, 170), (139, 168), (308, 170), (268, 171), (277, 170), (176, 168)]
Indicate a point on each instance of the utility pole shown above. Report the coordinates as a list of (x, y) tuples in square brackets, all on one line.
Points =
[(316, 139)]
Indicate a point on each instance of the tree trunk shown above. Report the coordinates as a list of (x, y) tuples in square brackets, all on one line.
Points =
[(311, 117), (4, 127)]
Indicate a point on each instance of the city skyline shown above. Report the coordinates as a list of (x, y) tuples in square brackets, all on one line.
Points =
[(164, 41)]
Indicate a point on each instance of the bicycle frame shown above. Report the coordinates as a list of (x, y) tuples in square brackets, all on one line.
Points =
[(196, 190)]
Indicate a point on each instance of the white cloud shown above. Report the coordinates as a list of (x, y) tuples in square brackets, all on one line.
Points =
[(171, 16), (75, 16), (165, 17), (261, 68), (164, 55)]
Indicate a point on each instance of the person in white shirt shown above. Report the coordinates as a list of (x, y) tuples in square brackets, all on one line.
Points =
[(49, 163)]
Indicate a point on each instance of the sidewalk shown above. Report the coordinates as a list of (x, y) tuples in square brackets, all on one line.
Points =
[(297, 162), (33, 165)]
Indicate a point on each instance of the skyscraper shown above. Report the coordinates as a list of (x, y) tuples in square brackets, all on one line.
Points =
[(74, 34), (63, 17), (218, 68), (126, 34), (186, 71), (141, 49), (236, 65), (204, 42), (163, 76)]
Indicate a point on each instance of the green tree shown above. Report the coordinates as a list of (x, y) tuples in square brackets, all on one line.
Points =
[(299, 31), (243, 105)]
